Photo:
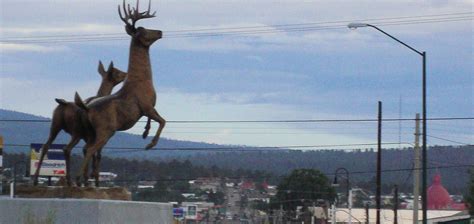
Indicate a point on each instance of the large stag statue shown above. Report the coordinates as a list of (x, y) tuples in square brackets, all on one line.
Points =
[(68, 117), (135, 99)]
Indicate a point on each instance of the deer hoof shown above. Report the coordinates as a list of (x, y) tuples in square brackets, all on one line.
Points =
[(145, 134), (78, 182), (149, 146)]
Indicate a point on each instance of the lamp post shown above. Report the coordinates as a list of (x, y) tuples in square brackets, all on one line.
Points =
[(348, 190), (424, 152)]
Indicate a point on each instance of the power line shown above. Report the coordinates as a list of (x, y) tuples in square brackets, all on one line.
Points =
[(255, 27), (312, 28), (302, 27), (234, 33), (275, 121), (447, 140), (220, 149), (327, 174), (282, 133), (277, 128)]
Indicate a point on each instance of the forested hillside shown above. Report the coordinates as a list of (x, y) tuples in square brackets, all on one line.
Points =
[(450, 161), (21, 132)]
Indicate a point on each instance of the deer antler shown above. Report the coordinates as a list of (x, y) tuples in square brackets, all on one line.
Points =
[(133, 14)]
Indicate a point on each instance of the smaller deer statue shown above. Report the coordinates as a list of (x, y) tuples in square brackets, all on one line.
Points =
[(68, 116)]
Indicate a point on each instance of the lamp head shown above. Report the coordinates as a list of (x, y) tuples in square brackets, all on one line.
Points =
[(335, 183), (356, 25)]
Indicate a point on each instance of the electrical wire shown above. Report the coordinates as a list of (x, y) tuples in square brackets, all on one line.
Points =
[(253, 27), (447, 140), (302, 27), (275, 121), (327, 174), (221, 149)]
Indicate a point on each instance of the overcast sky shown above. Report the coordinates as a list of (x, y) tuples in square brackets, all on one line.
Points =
[(314, 74)]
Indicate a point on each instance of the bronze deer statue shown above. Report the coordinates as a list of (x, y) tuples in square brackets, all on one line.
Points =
[(67, 116), (136, 98)]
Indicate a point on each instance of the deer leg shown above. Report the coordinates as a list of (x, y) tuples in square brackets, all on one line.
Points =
[(67, 155), (84, 151), (44, 151), (147, 128), (153, 114), (91, 149), (96, 170), (52, 135)]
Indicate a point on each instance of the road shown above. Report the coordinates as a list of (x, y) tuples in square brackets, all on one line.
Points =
[(233, 205)]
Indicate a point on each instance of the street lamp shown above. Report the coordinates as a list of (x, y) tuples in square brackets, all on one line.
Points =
[(423, 55), (335, 182), (348, 190)]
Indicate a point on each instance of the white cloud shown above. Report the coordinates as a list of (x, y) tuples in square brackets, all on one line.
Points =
[(12, 47), (175, 105), (255, 58), (92, 17), (37, 96), (272, 38), (69, 29)]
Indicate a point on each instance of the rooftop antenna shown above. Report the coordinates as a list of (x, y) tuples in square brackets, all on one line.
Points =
[(400, 122)]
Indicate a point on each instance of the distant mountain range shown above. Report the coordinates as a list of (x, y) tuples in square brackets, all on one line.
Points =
[(442, 159), (26, 130)]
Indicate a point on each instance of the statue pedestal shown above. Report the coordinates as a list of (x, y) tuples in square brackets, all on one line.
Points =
[(72, 210), (109, 193)]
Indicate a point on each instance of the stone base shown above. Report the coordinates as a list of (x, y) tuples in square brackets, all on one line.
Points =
[(87, 211), (109, 193)]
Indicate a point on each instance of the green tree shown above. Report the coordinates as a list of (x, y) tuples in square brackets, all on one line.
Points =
[(303, 186), (216, 197), (470, 196)]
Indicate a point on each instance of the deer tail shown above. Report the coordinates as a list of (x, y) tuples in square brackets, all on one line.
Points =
[(79, 102)]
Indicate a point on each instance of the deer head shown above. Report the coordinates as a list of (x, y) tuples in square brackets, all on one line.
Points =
[(112, 75), (145, 37)]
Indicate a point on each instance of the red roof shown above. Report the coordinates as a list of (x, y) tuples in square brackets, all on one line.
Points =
[(265, 185), (246, 185)]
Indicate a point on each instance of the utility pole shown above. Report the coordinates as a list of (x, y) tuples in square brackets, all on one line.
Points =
[(280, 215), (395, 205), (416, 171), (367, 213), (424, 197), (1, 164), (400, 123), (379, 163), (333, 213), (349, 205)]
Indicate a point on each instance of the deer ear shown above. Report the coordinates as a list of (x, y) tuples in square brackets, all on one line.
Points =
[(130, 30), (111, 67), (101, 69), (61, 101)]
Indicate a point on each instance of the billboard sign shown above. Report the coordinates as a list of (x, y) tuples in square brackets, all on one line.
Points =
[(178, 212), (191, 212), (54, 163)]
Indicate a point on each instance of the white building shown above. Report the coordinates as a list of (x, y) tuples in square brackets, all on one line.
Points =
[(405, 216)]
